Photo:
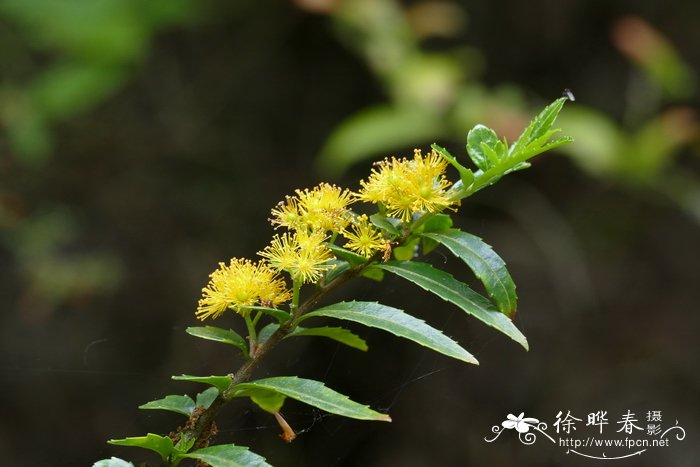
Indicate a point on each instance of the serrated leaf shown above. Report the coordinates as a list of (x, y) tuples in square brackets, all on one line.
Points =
[(206, 397), (351, 257), (342, 335), (315, 394), (180, 404), (225, 336), (486, 264), (219, 382), (540, 125), (228, 455), (112, 462), (479, 140), (396, 322), (160, 444), (449, 289)]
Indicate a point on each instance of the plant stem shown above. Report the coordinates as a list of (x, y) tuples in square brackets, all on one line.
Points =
[(200, 421)]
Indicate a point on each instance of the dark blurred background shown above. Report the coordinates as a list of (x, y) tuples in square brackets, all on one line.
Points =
[(143, 142)]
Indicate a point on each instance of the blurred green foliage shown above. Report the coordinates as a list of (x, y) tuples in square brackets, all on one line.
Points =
[(65, 57), (436, 94)]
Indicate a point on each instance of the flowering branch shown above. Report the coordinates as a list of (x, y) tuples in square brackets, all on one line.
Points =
[(410, 197)]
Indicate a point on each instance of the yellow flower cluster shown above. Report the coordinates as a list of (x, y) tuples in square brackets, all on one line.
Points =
[(409, 186), (305, 256), (403, 187), (324, 207), (240, 285)]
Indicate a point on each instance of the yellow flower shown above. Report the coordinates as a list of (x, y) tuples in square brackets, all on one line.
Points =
[(303, 255), (325, 207), (364, 238), (409, 186), (287, 213), (240, 285)]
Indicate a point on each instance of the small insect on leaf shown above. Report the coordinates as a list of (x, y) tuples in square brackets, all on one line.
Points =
[(568, 94)]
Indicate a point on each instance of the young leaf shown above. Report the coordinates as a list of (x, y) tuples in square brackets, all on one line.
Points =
[(112, 462), (449, 289), (407, 251), (479, 140), (539, 126), (466, 176), (180, 404), (313, 393), (396, 322), (215, 334), (206, 397), (341, 335), (228, 455), (486, 264), (160, 444), (219, 382)]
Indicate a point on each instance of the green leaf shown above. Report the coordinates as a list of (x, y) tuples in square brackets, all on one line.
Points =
[(160, 444), (341, 335), (373, 273), (449, 289), (396, 322), (406, 251), (480, 141), (340, 267), (428, 245), (206, 397), (313, 393), (267, 399), (215, 334), (279, 315), (219, 382), (112, 462), (437, 223), (180, 404), (539, 126), (267, 331), (387, 224), (351, 257), (228, 455), (486, 264), (466, 176)]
